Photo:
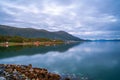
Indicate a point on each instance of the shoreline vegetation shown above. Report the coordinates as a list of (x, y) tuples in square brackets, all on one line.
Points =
[(18, 41), (23, 72), (7, 44)]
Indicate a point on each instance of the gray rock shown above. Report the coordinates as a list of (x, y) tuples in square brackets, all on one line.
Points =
[(2, 78)]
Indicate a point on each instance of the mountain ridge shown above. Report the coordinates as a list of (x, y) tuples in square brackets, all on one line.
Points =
[(36, 33)]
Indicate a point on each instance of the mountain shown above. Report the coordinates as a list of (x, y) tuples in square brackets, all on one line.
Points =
[(36, 33)]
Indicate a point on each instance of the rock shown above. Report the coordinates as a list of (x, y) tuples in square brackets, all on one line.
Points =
[(22, 72), (2, 78), (2, 68)]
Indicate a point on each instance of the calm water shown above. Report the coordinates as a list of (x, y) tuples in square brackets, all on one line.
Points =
[(94, 60)]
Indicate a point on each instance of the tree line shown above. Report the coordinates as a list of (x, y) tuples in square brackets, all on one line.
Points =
[(4, 38)]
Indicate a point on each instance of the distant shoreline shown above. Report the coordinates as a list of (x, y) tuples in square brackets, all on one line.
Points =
[(37, 43)]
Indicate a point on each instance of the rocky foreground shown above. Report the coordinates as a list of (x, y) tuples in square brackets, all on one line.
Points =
[(22, 72)]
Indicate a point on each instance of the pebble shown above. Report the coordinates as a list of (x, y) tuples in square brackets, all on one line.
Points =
[(23, 72), (2, 78)]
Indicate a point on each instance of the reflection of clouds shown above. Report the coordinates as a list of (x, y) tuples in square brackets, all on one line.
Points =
[(72, 50), (63, 62), (87, 49), (85, 58), (51, 59)]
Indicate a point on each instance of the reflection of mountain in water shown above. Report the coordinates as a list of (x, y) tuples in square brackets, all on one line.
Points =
[(31, 50)]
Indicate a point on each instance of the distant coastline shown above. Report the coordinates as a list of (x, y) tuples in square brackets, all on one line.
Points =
[(102, 40), (17, 40), (37, 33)]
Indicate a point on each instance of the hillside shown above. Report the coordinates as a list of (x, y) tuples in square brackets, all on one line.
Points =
[(36, 33)]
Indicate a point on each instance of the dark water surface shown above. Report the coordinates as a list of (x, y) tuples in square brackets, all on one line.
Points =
[(98, 60)]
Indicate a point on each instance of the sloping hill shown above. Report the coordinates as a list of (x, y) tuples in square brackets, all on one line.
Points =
[(36, 33)]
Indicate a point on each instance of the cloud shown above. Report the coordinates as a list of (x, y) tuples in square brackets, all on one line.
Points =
[(68, 15)]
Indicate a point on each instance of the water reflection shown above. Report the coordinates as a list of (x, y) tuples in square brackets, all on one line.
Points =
[(96, 60), (32, 50)]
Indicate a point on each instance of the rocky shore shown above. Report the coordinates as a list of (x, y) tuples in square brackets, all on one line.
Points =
[(23, 72)]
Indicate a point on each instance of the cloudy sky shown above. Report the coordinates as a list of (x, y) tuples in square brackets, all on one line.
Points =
[(88, 19)]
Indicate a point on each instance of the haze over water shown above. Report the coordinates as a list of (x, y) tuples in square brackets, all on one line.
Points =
[(97, 60)]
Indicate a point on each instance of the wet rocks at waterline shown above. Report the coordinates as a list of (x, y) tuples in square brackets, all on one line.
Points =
[(22, 72)]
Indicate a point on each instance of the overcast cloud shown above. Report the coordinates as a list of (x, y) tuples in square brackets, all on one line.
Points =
[(88, 19)]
